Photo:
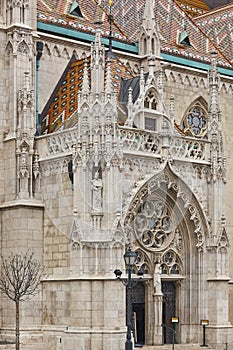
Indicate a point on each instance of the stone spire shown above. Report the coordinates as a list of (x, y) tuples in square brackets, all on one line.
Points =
[(108, 85), (214, 127), (214, 81), (97, 63), (85, 87), (25, 140), (98, 148), (148, 19), (217, 159), (149, 43)]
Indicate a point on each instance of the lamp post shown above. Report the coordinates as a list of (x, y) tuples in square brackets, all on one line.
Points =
[(129, 258)]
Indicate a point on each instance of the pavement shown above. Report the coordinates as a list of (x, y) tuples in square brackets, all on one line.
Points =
[(176, 347)]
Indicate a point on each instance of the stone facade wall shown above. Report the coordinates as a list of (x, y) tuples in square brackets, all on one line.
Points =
[(79, 245), (22, 230)]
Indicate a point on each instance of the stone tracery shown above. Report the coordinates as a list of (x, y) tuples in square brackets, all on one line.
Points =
[(143, 211), (153, 224)]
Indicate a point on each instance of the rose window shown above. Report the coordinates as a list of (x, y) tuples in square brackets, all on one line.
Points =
[(153, 224), (195, 122)]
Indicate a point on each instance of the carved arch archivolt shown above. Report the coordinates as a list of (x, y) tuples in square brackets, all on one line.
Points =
[(164, 218)]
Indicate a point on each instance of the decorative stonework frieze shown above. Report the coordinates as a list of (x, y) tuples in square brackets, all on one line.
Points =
[(139, 141), (186, 79), (189, 149), (133, 164), (20, 40), (59, 144), (129, 141), (54, 167)]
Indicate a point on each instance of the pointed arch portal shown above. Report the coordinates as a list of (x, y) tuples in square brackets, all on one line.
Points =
[(167, 228)]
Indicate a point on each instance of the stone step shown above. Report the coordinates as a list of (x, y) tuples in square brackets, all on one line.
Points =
[(6, 345), (176, 347)]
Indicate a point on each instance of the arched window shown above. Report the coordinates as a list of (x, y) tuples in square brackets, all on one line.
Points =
[(144, 46), (171, 264), (150, 100), (153, 46), (194, 123)]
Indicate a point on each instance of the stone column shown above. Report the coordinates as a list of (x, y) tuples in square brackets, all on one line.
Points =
[(158, 307)]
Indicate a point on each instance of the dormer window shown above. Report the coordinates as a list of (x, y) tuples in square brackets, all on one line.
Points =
[(150, 101), (75, 9)]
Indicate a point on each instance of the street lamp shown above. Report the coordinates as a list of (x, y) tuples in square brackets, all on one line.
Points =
[(129, 258)]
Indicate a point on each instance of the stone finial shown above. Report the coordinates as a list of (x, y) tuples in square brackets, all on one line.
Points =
[(85, 87)]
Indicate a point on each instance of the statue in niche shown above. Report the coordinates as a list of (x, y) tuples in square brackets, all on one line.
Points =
[(157, 278), (23, 172), (97, 186)]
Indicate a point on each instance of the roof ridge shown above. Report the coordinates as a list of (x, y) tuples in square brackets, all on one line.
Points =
[(193, 20), (212, 11)]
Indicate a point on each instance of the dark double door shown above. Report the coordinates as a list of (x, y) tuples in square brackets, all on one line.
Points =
[(169, 310), (138, 308)]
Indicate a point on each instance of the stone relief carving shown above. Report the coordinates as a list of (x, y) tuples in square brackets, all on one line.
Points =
[(21, 42), (54, 167), (75, 232)]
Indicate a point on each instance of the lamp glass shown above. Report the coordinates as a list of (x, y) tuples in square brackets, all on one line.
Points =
[(130, 257)]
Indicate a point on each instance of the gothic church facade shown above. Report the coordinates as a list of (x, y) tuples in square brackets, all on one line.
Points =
[(116, 132)]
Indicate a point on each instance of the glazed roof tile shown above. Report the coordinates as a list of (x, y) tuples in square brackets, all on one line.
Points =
[(127, 16), (60, 111), (63, 103), (57, 12), (218, 25), (193, 7)]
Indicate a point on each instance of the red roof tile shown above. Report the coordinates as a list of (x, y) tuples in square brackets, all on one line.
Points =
[(218, 24), (127, 17)]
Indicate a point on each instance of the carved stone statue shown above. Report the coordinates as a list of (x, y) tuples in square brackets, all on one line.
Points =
[(97, 186), (157, 278)]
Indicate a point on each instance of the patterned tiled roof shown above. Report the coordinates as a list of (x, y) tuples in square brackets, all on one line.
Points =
[(60, 111), (127, 17), (63, 103), (58, 13), (193, 7), (218, 25)]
